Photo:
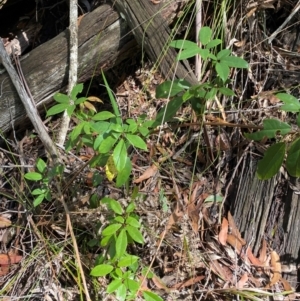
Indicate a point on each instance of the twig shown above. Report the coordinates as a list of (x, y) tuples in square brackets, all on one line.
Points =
[(73, 66), (28, 104), (198, 64), (275, 33)]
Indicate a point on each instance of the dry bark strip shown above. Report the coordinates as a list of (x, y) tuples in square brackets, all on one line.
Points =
[(104, 41), (269, 210)]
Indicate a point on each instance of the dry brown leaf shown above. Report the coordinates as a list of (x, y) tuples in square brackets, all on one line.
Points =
[(223, 232), (276, 265), (149, 172), (240, 43), (90, 106), (263, 252), (234, 230), (4, 222), (188, 282), (79, 19), (160, 284), (242, 281), (176, 215), (192, 210), (253, 259), (221, 270), (234, 242), (251, 12), (94, 99), (9, 259), (286, 285), (288, 288)]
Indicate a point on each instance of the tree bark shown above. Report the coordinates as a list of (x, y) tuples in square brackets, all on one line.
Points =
[(269, 210)]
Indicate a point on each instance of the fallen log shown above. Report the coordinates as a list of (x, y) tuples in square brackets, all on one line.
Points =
[(152, 32), (46, 67), (104, 41)]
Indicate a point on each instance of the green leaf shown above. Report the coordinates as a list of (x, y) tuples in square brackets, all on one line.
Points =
[(38, 200), (111, 229), (120, 155), (144, 131), (204, 53), (183, 44), (121, 293), (293, 159), (116, 127), (170, 89), (101, 270), (115, 206), (57, 109), (105, 240), (61, 98), (205, 34), (121, 243), (235, 62), (38, 191), (291, 103), (76, 90), (226, 91), (150, 296), (133, 222), (130, 208), (168, 112), (124, 174), (104, 115), (213, 43), (127, 261), (33, 176), (223, 71), (113, 102), (113, 286), (187, 53), (100, 127), (271, 128), (132, 285), (119, 219), (223, 53), (135, 234), (70, 109), (133, 126), (269, 165), (136, 141), (210, 94), (80, 100), (108, 201), (41, 165), (107, 144)]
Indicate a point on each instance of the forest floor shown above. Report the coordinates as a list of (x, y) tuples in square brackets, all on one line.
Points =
[(193, 246)]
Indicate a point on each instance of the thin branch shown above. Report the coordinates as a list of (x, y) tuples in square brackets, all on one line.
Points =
[(73, 67), (28, 104)]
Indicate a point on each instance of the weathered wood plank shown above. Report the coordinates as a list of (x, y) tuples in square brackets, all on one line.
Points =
[(152, 33), (46, 68)]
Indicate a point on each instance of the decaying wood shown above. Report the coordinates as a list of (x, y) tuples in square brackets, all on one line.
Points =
[(46, 67), (152, 32), (269, 210), (104, 41)]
